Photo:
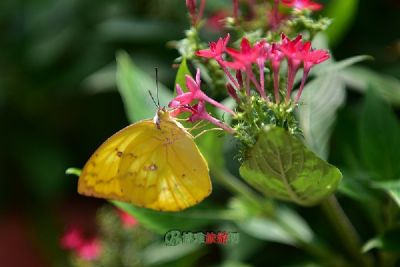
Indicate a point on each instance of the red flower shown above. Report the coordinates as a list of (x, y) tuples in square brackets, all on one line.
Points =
[(310, 59), (86, 248), (294, 51), (216, 49), (128, 221), (245, 57), (314, 57), (216, 20), (192, 8), (302, 4)]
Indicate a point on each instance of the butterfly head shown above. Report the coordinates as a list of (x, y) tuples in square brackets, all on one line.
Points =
[(162, 115)]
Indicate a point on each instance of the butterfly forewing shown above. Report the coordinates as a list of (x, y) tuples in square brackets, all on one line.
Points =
[(150, 165)]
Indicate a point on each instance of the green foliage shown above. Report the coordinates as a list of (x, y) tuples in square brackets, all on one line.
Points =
[(161, 222), (361, 78), (183, 70), (134, 86), (379, 133), (343, 12), (280, 166), (389, 241), (322, 97)]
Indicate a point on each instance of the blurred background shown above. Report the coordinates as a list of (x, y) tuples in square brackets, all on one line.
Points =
[(58, 97)]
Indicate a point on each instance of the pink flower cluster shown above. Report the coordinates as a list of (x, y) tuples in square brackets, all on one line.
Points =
[(85, 248), (296, 52)]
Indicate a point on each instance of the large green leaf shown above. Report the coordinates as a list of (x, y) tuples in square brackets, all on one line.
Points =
[(134, 86), (360, 78), (273, 229), (379, 136), (280, 166), (320, 101), (161, 222), (342, 65)]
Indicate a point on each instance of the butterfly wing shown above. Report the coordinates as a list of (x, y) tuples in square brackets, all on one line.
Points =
[(154, 167), (99, 175), (172, 177)]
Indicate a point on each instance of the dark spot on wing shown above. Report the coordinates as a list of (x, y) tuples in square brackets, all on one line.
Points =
[(119, 153)]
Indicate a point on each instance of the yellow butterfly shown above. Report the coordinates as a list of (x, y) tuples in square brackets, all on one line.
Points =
[(152, 163)]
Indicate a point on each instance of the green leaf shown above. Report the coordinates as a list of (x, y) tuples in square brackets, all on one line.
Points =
[(340, 65), (160, 222), (379, 133), (389, 241), (73, 171), (180, 75), (157, 253), (211, 146), (360, 78), (392, 188), (134, 84), (280, 166), (273, 230), (343, 14), (321, 99)]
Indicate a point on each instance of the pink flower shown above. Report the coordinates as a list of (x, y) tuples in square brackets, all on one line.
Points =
[(195, 93), (72, 238), (90, 250), (128, 221), (199, 112), (216, 49), (276, 57), (86, 248), (302, 4)]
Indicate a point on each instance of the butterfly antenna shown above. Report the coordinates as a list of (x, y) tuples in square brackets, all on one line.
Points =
[(152, 98), (158, 97)]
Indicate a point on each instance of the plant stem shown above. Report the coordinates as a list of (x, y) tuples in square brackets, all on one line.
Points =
[(345, 230)]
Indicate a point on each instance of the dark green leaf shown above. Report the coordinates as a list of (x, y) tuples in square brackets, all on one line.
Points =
[(342, 12), (379, 133), (280, 166), (389, 241), (134, 86)]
